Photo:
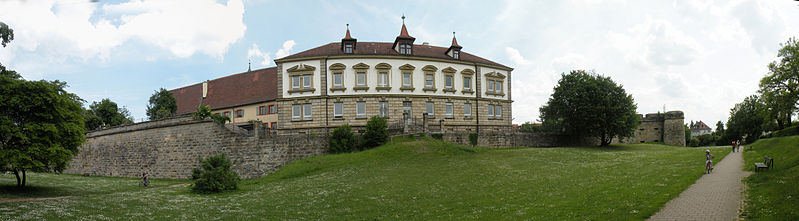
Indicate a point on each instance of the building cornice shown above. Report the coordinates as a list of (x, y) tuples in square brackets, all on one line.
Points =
[(400, 57)]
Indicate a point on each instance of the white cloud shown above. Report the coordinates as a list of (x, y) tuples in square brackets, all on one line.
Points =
[(656, 43), (255, 53), (286, 50)]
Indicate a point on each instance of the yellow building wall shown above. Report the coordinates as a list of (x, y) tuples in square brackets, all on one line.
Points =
[(250, 113)]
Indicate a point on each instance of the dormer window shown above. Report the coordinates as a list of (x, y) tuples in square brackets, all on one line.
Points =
[(456, 54), (405, 49), (348, 48)]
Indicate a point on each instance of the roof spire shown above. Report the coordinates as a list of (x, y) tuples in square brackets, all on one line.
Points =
[(347, 36), (454, 41), (249, 65), (404, 31)]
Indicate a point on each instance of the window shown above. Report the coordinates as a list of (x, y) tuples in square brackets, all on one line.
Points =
[(406, 79), (467, 110), (306, 82), (306, 112), (448, 82), (498, 112), (455, 54), (361, 79), (382, 79), (448, 110), (405, 49), (295, 82), (337, 81), (348, 48), (490, 86), (338, 110), (262, 110), (296, 112), (383, 106), (227, 114), (428, 81), (467, 83), (430, 109), (498, 88), (272, 109), (274, 125), (490, 110), (361, 109)]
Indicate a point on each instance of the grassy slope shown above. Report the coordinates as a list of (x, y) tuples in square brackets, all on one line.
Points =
[(424, 180), (774, 194)]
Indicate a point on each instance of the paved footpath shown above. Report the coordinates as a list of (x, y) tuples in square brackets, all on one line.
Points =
[(715, 196)]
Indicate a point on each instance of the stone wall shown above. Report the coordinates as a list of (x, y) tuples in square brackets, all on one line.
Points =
[(518, 139), (170, 149)]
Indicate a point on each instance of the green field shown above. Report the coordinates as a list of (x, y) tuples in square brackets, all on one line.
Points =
[(416, 180), (773, 194)]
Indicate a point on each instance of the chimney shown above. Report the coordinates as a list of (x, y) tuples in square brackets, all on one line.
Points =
[(205, 89)]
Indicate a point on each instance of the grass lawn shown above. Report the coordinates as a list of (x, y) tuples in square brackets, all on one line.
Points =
[(416, 180), (773, 194)]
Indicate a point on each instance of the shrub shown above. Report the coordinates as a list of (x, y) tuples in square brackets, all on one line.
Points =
[(214, 175), (376, 132), (789, 131), (473, 139), (437, 136), (341, 140), (204, 112)]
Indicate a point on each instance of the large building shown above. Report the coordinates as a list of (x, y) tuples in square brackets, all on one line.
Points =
[(349, 81)]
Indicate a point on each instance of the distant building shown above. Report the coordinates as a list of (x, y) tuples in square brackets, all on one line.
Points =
[(700, 128)]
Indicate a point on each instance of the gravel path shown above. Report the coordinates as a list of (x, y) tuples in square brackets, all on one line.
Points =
[(715, 196)]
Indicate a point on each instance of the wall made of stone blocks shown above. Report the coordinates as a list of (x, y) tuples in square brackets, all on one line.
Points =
[(171, 149)]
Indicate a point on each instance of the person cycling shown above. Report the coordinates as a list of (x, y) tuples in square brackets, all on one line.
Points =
[(144, 180), (708, 162)]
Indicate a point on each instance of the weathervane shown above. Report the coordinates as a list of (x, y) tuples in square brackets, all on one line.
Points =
[(403, 18)]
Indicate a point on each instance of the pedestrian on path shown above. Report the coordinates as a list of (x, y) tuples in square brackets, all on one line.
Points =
[(708, 162)]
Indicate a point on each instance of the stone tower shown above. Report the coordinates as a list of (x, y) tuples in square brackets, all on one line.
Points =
[(674, 129)]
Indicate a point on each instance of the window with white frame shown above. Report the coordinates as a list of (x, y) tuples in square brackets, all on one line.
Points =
[(455, 54), (382, 79), (361, 79), (405, 49), (306, 82), (467, 110), (498, 111), (448, 110), (490, 110), (306, 112), (338, 110), (348, 48), (490, 86), (429, 80), (361, 109), (467, 83), (448, 82), (498, 88), (337, 80), (296, 112), (430, 109), (406, 79), (383, 106), (295, 82)]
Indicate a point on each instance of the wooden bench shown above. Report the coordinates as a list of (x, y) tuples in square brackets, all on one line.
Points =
[(767, 163)]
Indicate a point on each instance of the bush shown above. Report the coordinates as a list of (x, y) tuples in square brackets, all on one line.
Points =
[(376, 132), (788, 131), (437, 136), (473, 139), (214, 175), (341, 140), (204, 112)]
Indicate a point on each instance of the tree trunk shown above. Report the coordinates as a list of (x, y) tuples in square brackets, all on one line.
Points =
[(23, 178), (19, 181)]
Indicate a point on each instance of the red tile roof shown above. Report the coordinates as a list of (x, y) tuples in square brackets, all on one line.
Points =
[(454, 41), (348, 37), (385, 48), (404, 32), (230, 91)]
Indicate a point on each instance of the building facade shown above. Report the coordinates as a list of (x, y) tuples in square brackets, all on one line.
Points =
[(409, 84), (700, 128)]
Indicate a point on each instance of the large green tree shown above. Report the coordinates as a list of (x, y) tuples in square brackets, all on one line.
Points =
[(588, 104), (109, 113), (162, 105), (746, 120), (779, 89)]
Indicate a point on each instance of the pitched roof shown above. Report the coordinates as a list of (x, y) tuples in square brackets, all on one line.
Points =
[(385, 48), (404, 33), (700, 126), (454, 41), (230, 91)]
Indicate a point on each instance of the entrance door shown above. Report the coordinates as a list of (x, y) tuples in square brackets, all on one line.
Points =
[(407, 112)]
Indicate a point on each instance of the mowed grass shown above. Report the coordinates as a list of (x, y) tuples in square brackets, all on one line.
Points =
[(773, 194), (416, 180)]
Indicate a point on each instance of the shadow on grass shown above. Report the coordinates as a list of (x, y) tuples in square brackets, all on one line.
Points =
[(13, 192)]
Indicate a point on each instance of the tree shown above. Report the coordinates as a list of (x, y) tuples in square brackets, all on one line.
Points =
[(746, 120), (162, 105), (590, 105), (6, 34), (687, 134), (720, 128), (780, 87), (41, 125), (341, 140), (109, 113), (376, 132), (214, 175)]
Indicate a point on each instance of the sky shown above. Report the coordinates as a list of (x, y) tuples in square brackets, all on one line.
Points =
[(700, 57)]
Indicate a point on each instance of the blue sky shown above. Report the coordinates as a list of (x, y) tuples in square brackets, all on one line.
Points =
[(701, 57)]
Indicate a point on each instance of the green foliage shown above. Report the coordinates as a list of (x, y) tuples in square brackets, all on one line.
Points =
[(204, 112), (162, 105), (437, 136), (772, 194), (41, 125), (719, 128), (109, 113), (588, 104), (779, 89), (214, 175), (341, 140), (789, 131), (376, 132), (473, 139), (530, 127), (704, 140), (6, 34), (687, 135), (746, 120)]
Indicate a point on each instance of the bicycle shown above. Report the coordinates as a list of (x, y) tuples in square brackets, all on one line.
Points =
[(708, 162), (144, 181)]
